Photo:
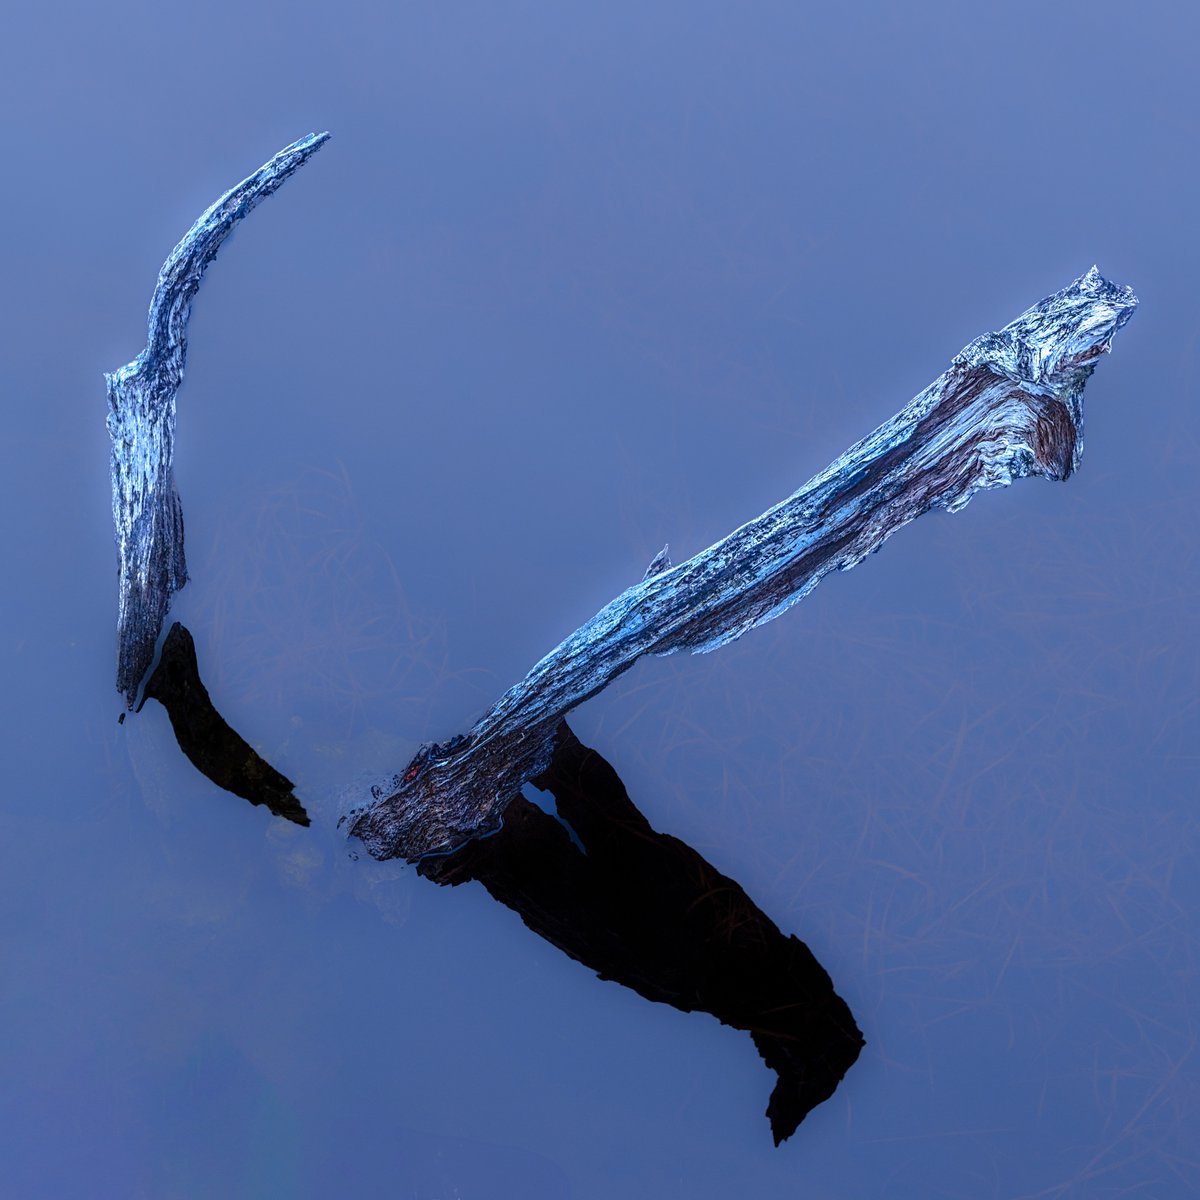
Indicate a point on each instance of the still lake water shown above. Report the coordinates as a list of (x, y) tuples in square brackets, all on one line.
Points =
[(563, 286)]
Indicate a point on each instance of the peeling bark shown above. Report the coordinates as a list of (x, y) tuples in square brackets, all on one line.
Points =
[(1010, 405), (141, 422)]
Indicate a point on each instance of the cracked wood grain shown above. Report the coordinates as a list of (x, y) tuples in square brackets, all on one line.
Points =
[(147, 516), (1009, 405)]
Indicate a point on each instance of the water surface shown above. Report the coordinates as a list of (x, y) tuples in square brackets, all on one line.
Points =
[(568, 284)]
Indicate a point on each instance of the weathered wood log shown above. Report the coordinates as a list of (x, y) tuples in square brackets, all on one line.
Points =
[(1010, 405), (141, 422), (642, 908)]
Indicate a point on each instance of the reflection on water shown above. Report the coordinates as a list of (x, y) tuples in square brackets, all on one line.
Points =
[(204, 736), (594, 879), (644, 909)]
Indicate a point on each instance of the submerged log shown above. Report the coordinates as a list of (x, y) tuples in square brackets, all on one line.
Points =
[(214, 748), (141, 422), (1010, 405), (643, 909)]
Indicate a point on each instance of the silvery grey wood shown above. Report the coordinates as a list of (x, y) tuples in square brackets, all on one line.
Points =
[(141, 422), (1009, 405)]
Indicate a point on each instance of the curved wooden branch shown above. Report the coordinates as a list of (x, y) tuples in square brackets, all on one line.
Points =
[(141, 422), (1010, 405)]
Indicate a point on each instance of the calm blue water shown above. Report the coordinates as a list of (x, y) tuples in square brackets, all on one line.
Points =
[(571, 281)]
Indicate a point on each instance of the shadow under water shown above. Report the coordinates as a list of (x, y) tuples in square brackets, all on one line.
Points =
[(642, 908), (213, 748), (594, 879)]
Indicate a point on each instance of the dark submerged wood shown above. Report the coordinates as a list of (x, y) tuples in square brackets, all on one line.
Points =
[(212, 747), (643, 909)]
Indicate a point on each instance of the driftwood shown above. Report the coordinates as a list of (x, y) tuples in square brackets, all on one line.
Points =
[(1009, 405), (645, 910), (141, 422), (594, 878)]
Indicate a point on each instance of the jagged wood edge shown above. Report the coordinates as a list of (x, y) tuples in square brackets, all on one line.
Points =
[(147, 517)]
